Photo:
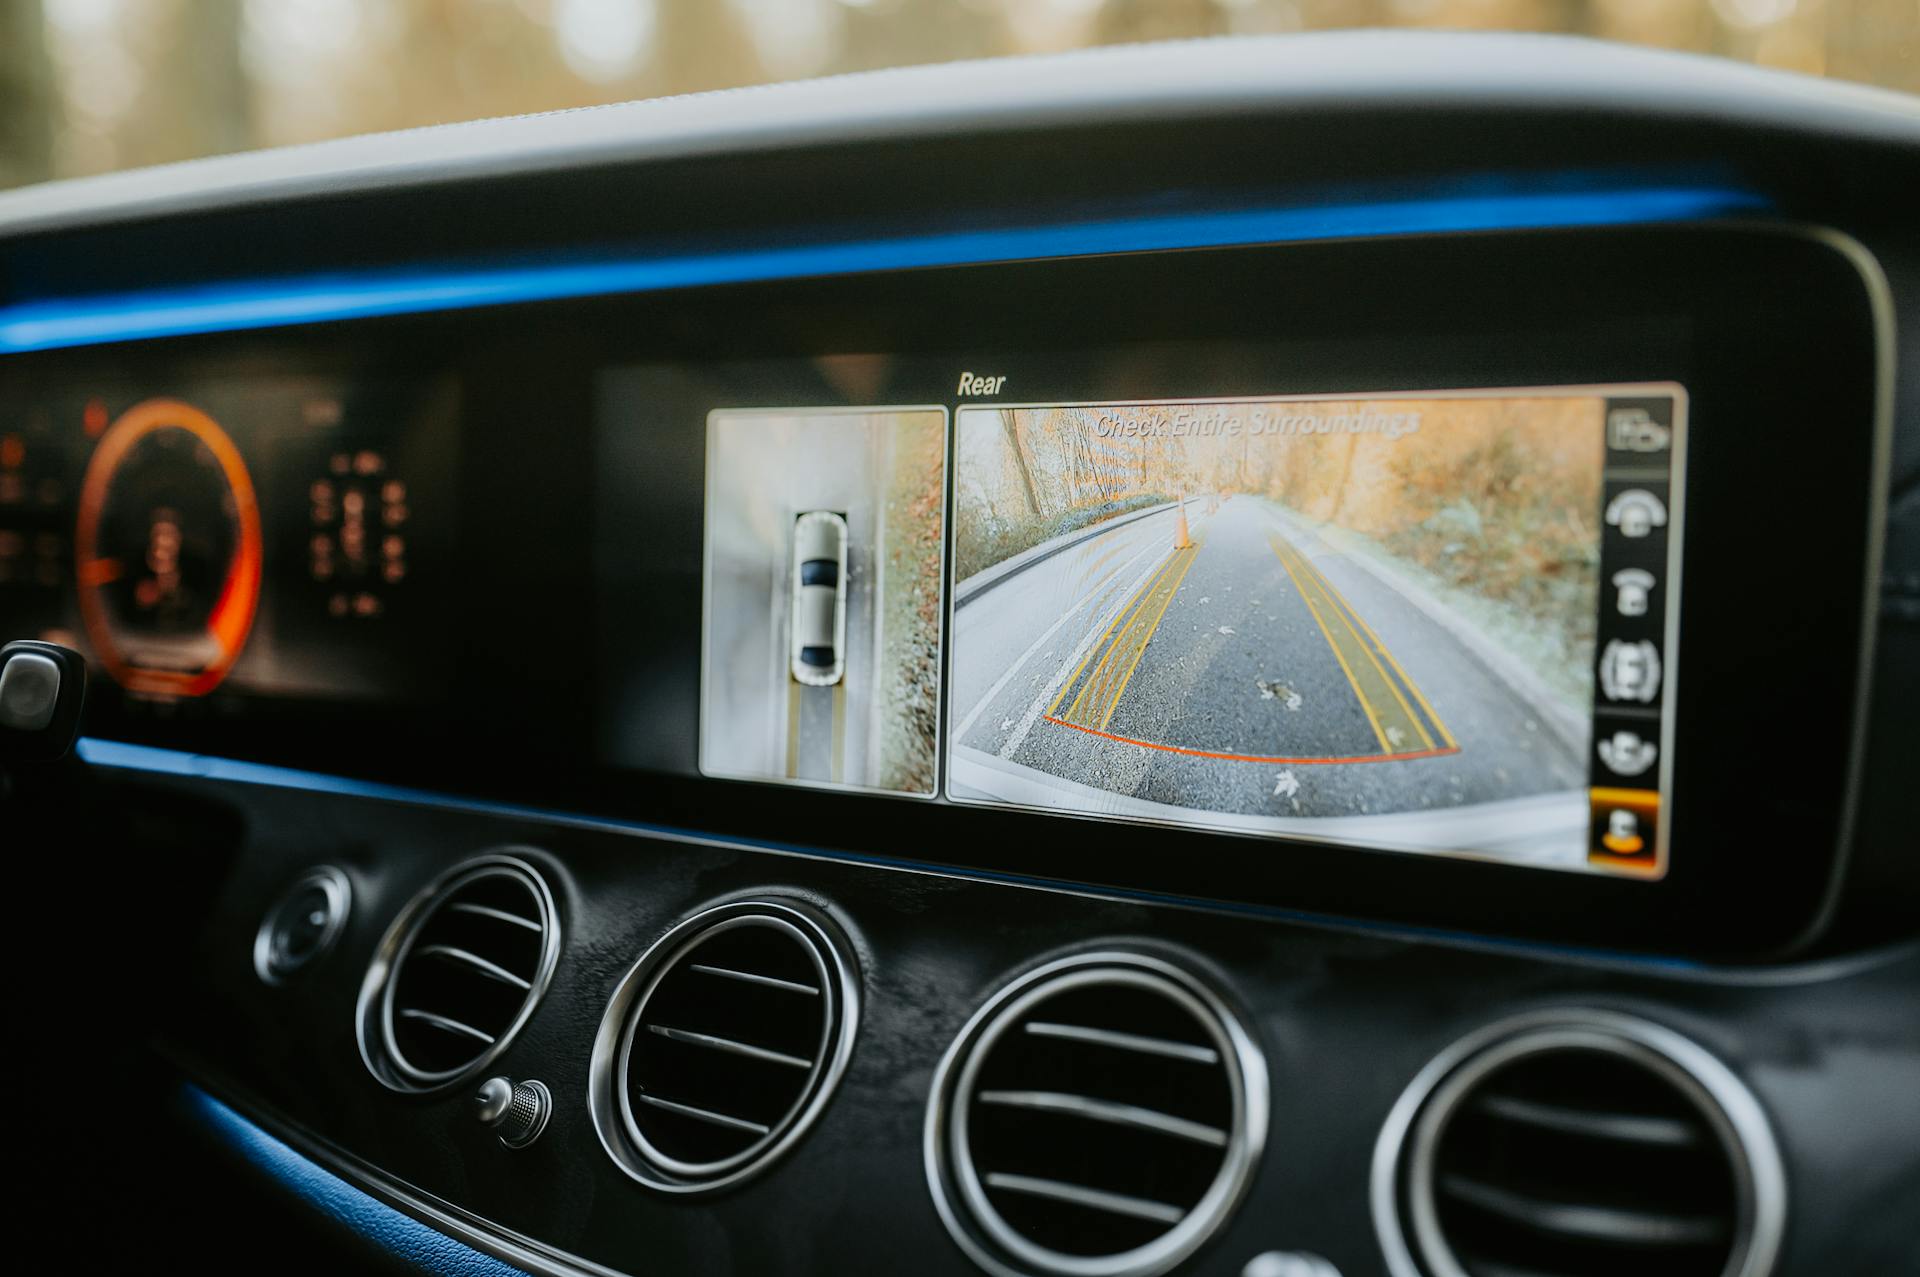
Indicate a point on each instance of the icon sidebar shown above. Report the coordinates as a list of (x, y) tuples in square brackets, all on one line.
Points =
[(1632, 666)]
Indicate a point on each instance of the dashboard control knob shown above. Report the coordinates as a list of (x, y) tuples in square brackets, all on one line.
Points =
[(302, 925), (42, 686), (515, 1111)]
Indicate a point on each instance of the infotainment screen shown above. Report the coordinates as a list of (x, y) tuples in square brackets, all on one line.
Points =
[(1434, 622)]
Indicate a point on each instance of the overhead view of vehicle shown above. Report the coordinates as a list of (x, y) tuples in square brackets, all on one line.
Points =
[(819, 598), (968, 639), (821, 626)]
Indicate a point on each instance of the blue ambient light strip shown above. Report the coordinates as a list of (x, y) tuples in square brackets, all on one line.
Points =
[(421, 1248), (228, 307)]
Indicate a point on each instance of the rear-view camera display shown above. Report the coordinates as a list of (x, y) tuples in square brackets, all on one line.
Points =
[(1434, 623)]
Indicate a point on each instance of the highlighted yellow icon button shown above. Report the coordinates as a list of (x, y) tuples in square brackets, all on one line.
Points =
[(1624, 829)]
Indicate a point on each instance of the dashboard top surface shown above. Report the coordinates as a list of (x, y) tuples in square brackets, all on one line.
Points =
[(1339, 71)]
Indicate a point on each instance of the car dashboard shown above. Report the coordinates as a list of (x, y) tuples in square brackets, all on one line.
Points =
[(1280, 657)]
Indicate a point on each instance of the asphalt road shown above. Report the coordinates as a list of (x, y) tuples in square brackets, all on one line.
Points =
[(1259, 673), (816, 732)]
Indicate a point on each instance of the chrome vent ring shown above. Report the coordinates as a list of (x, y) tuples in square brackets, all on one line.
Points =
[(1098, 1117), (722, 1045), (1558, 1139), (458, 974)]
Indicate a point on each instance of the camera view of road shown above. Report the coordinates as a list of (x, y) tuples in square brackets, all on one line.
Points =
[(1229, 659)]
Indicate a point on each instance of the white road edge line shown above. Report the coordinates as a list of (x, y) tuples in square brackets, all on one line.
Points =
[(1032, 716), (1000, 684), (1505, 669)]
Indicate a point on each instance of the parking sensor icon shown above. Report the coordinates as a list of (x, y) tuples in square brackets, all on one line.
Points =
[(1635, 430), (1626, 754), (1635, 587), (1630, 671), (1636, 512), (1623, 833)]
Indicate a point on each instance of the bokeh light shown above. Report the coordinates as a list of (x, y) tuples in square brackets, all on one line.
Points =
[(88, 86)]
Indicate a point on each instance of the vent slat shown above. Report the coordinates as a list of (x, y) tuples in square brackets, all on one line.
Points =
[(1125, 1041), (467, 969), (1103, 1104), (496, 915), (1094, 1110), (705, 1115), (447, 1024), (1586, 1222), (474, 962), (729, 1042), (744, 1049), (1091, 1198), (749, 977), (1561, 1147), (1632, 1128)]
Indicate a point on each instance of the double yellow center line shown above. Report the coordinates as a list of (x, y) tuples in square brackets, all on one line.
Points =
[(1387, 695), (836, 762), (1120, 648), (1376, 677)]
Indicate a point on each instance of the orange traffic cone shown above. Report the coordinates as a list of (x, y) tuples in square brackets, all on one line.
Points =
[(1182, 541)]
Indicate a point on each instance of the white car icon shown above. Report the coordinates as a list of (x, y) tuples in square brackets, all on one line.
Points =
[(819, 598)]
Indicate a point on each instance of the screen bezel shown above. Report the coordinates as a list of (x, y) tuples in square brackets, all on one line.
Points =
[(1769, 327)]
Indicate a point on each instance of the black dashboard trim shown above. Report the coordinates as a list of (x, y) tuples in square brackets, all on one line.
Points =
[(1481, 203), (153, 760), (200, 1075), (1873, 278), (220, 773)]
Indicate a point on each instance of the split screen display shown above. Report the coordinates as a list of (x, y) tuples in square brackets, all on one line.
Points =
[(1426, 622)]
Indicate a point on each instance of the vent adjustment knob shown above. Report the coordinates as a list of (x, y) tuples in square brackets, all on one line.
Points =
[(515, 1111)]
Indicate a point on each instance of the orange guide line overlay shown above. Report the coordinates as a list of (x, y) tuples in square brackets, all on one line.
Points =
[(1407, 757)]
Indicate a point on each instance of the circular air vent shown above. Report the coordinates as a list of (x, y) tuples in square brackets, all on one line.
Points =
[(1099, 1116), (1574, 1144), (722, 1045), (457, 974)]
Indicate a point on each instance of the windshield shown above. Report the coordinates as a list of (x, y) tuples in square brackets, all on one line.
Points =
[(91, 86)]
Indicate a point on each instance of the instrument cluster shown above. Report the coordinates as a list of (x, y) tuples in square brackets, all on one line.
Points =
[(233, 537)]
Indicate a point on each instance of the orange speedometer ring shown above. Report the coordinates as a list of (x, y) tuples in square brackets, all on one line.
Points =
[(237, 599)]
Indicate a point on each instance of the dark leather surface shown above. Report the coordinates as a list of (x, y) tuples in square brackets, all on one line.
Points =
[(1345, 1019)]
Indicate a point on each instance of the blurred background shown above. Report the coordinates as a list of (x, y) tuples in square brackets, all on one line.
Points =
[(89, 86)]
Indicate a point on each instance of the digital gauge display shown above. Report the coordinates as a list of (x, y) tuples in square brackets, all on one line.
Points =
[(168, 550), (217, 541)]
